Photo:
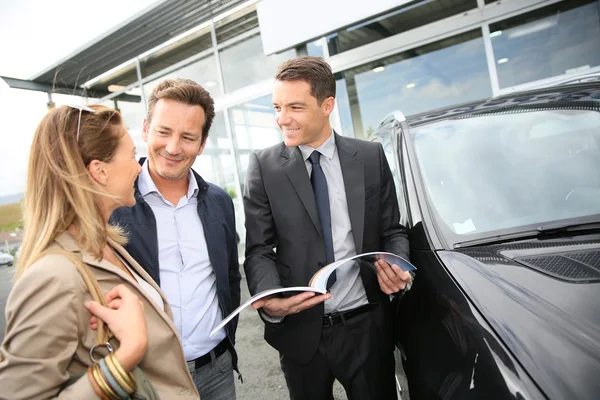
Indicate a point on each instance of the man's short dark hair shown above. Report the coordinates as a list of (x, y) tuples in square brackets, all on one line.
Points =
[(188, 92), (312, 70)]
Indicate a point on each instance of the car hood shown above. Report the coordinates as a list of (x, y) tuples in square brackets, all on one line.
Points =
[(542, 299)]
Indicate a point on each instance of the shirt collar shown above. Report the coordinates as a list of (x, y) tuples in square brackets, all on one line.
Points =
[(146, 184), (327, 149)]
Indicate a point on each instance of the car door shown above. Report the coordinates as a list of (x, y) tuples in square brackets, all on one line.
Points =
[(449, 351)]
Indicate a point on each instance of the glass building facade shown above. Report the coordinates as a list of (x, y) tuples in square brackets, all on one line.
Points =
[(420, 57)]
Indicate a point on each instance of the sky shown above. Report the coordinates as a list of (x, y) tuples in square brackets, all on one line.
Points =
[(35, 34)]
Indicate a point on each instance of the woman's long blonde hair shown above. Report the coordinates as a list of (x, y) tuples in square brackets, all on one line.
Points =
[(60, 191)]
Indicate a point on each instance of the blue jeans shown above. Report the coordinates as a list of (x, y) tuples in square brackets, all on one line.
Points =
[(214, 380)]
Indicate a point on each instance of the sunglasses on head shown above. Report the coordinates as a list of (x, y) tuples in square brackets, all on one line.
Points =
[(81, 108)]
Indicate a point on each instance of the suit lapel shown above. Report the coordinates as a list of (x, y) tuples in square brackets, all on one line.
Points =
[(354, 173), (295, 168)]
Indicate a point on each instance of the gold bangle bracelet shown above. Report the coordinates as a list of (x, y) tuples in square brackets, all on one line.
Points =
[(128, 377), (104, 386), (117, 375), (95, 386)]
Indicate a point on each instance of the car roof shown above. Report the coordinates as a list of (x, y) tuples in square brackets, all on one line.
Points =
[(586, 95)]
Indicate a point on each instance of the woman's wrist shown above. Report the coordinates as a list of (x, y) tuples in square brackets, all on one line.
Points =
[(129, 356)]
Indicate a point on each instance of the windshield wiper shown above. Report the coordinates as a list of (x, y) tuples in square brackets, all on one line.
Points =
[(554, 228), (545, 231), (507, 237)]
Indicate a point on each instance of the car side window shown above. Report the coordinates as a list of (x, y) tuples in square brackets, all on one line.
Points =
[(389, 139), (409, 188)]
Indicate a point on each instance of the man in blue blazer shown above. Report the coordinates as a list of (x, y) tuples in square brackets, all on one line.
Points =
[(182, 231)]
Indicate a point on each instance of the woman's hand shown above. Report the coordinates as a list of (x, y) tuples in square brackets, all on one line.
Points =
[(126, 320)]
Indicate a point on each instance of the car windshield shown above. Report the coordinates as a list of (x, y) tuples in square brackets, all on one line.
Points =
[(507, 171)]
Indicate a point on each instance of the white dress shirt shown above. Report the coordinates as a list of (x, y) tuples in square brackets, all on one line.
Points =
[(186, 275)]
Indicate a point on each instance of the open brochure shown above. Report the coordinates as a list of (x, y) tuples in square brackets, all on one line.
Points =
[(318, 282)]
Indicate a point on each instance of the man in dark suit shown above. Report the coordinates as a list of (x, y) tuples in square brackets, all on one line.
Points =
[(315, 198)]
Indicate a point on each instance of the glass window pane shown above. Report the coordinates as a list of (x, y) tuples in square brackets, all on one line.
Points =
[(133, 115), (254, 128), (203, 71), (440, 74), (551, 41), (343, 104), (236, 23), (178, 51), (395, 22), (245, 63), (217, 136), (204, 166), (216, 163), (315, 48)]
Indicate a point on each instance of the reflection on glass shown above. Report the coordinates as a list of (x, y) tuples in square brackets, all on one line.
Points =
[(254, 128), (203, 72), (555, 40), (473, 169), (408, 17), (437, 75), (245, 63)]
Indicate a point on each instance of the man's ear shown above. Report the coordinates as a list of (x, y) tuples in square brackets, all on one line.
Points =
[(328, 106), (145, 127), (98, 172)]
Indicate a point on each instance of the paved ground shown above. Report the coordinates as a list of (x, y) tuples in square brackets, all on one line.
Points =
[(259, 363)]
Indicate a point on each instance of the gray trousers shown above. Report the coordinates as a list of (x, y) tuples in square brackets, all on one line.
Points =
[(215, 380)]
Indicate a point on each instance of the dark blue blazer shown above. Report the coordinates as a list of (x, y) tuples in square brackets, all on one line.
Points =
[(215, 209)]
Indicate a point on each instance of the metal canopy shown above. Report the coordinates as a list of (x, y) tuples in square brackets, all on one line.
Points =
[(75, 91), (152, 27)]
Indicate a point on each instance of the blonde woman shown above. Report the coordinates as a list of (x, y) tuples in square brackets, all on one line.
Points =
[(82, 167)]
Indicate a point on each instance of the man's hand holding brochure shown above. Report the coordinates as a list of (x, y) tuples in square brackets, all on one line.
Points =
[(390, 268)]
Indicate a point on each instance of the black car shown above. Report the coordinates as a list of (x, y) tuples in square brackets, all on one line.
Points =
[(502, 202)]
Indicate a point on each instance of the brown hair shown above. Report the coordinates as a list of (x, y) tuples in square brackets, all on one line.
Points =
[(188, 92), (312, 70), (60, 191)]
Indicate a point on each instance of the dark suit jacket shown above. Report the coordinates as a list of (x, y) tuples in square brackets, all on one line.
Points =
[(215, 210), (284, 246)]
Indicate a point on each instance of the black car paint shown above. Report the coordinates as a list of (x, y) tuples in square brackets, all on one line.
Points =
[(477, 324)]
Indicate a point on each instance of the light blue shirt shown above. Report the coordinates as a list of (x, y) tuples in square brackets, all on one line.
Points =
[(348, 291), (186, 275)]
